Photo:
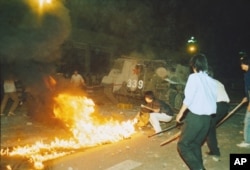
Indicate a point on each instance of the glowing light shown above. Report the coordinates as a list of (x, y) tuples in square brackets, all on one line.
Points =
[(41, 6), (192, 40), (192, 45), (192, 48), (42, 2), (88, 129)]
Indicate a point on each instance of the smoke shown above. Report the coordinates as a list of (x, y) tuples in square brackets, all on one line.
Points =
[(30, 42), (29, 35)]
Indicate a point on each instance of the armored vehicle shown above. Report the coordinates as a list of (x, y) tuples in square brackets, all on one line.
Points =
[(131, 77)]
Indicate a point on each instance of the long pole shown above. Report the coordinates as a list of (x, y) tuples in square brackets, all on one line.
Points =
[(167, 129), (173, 137), (176, 135), (230, 114)]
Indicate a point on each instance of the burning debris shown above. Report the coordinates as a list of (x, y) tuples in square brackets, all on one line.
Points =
[(88, 129)]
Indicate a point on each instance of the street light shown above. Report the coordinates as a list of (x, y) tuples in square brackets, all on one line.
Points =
[(192, 46), (41, 6)]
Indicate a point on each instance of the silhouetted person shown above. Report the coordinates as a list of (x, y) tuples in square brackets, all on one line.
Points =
[(245, 62), (10, 92)]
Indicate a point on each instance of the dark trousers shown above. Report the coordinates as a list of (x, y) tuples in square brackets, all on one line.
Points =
[(212, 143), (194, 132)]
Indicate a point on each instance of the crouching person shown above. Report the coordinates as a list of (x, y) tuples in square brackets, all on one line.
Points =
[(158, 110)]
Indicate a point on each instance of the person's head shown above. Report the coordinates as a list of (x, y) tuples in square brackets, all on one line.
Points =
[(149, 96), (75, 72), (199, 63), (244, 61)]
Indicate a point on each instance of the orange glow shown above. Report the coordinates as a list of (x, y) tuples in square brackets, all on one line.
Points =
[(192, 48), (88, 129), (77, 114), (41, 6), (42, 2)]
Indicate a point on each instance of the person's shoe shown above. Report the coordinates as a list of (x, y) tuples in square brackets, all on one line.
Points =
[(216, 158), (243, 145)]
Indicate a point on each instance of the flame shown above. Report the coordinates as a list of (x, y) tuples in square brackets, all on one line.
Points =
[(89, 130), (87, 127)]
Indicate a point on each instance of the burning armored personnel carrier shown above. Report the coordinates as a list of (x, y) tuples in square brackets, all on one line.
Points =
[(129, 78)]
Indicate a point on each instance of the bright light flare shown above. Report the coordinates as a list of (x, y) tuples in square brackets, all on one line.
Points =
[(41, 6), (192, 48), (44, 2), (88, 129)]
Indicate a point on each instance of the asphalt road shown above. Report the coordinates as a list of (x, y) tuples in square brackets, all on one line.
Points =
[(138, 152)]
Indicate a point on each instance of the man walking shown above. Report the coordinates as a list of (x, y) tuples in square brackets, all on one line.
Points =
[(200, 99)]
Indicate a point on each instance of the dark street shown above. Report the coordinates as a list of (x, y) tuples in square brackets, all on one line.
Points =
[(138, 152), (73, 75)]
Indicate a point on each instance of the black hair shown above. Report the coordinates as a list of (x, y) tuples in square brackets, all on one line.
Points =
[(210, 71), (149, 94), (244, 58), (199, 62)]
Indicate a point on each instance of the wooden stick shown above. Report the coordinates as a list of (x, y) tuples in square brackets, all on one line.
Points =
[(230, 114), (175, 136), (171, 138), (167, 129), (149, 108)]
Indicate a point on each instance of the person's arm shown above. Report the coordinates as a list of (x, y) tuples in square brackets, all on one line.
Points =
[(156, 106), (156, 110), (150, 109), (181, 112), (244, 100)]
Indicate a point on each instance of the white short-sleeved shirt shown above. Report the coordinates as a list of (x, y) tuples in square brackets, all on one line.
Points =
[(9, 86)]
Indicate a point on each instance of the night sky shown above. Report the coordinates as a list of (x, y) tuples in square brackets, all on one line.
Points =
[(161, 28)]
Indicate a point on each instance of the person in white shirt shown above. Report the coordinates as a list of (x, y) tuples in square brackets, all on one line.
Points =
[(221, 111), (200, 101), (77, 80), (10, 92)]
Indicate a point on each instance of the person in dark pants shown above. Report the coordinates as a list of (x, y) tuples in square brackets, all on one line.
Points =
[(212, 142), (245, 66), (200, 100), (222, 110)]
